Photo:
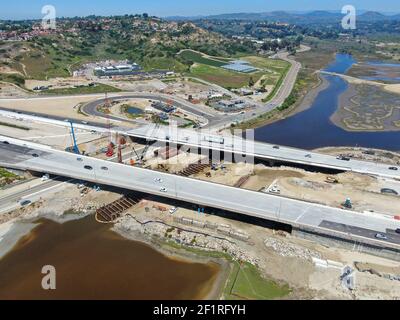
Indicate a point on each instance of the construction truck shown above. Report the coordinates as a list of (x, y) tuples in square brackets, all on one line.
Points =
[(348, 204)]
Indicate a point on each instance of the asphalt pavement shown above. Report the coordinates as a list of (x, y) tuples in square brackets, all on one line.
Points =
[(257, 204)]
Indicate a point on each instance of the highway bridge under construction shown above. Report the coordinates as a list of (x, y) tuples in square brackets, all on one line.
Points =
[(207, 140), (308, 218)]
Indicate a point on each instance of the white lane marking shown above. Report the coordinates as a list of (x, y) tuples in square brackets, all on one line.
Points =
[(47, 189), (59, 136), (301, 216)]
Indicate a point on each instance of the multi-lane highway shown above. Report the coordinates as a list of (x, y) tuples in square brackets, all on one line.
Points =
[(25, 155), (236, 145), (260, 150), (32, 191)]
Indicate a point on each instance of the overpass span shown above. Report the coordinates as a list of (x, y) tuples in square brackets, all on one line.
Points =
[(260, 150), (231, 144), (350, 225)]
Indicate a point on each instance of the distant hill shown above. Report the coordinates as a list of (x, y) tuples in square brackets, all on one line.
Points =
[(294, 17), (374, 16)]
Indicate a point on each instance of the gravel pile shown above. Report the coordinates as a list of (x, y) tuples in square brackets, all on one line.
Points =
[(190, 239), (286, 249)]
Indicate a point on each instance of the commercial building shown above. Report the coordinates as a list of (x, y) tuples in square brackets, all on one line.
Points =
[(225, 105), (163, 107), (117, 70)]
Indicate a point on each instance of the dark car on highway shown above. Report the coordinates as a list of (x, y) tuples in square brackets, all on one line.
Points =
[(343, 158), (393, 168), (25, 203)]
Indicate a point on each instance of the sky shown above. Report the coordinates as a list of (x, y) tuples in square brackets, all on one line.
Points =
[(23, 9)]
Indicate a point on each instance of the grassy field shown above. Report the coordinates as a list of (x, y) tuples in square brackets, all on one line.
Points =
[(273, 71), (163, 63), (278, 83), (196, 57), (44, 67), (13, 78), (6, 174), (275, 65), (7, 177), (99, 88), (222, 77), (247, 283)]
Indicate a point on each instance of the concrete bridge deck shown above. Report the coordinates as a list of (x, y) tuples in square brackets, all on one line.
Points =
[(356, 226)]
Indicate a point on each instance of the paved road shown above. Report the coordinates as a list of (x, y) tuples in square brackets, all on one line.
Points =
[(18, 154), (208, 117), (20, 114), (262, 150), (283, 92), (14, 197), (29, 190), (236, 145), (213, 119), (391, 235), (205, 114)]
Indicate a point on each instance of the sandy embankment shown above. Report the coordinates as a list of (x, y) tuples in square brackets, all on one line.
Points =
[(55, 106), (57, 83), (307, 100), (11, 232), (394, 88)]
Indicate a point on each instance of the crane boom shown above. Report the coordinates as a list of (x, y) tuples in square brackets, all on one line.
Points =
[(75, 148)]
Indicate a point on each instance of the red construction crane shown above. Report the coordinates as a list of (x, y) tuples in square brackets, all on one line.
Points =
[(120, 141)]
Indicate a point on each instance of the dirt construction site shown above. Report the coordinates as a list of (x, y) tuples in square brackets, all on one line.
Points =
[(376, 278), (153, 218), (312, 270)]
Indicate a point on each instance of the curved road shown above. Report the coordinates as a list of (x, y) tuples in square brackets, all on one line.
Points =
[(201, 112), (214, 119), (209, 118)]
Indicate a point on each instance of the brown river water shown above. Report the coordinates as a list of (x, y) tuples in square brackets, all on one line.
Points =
[(93, 262)]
